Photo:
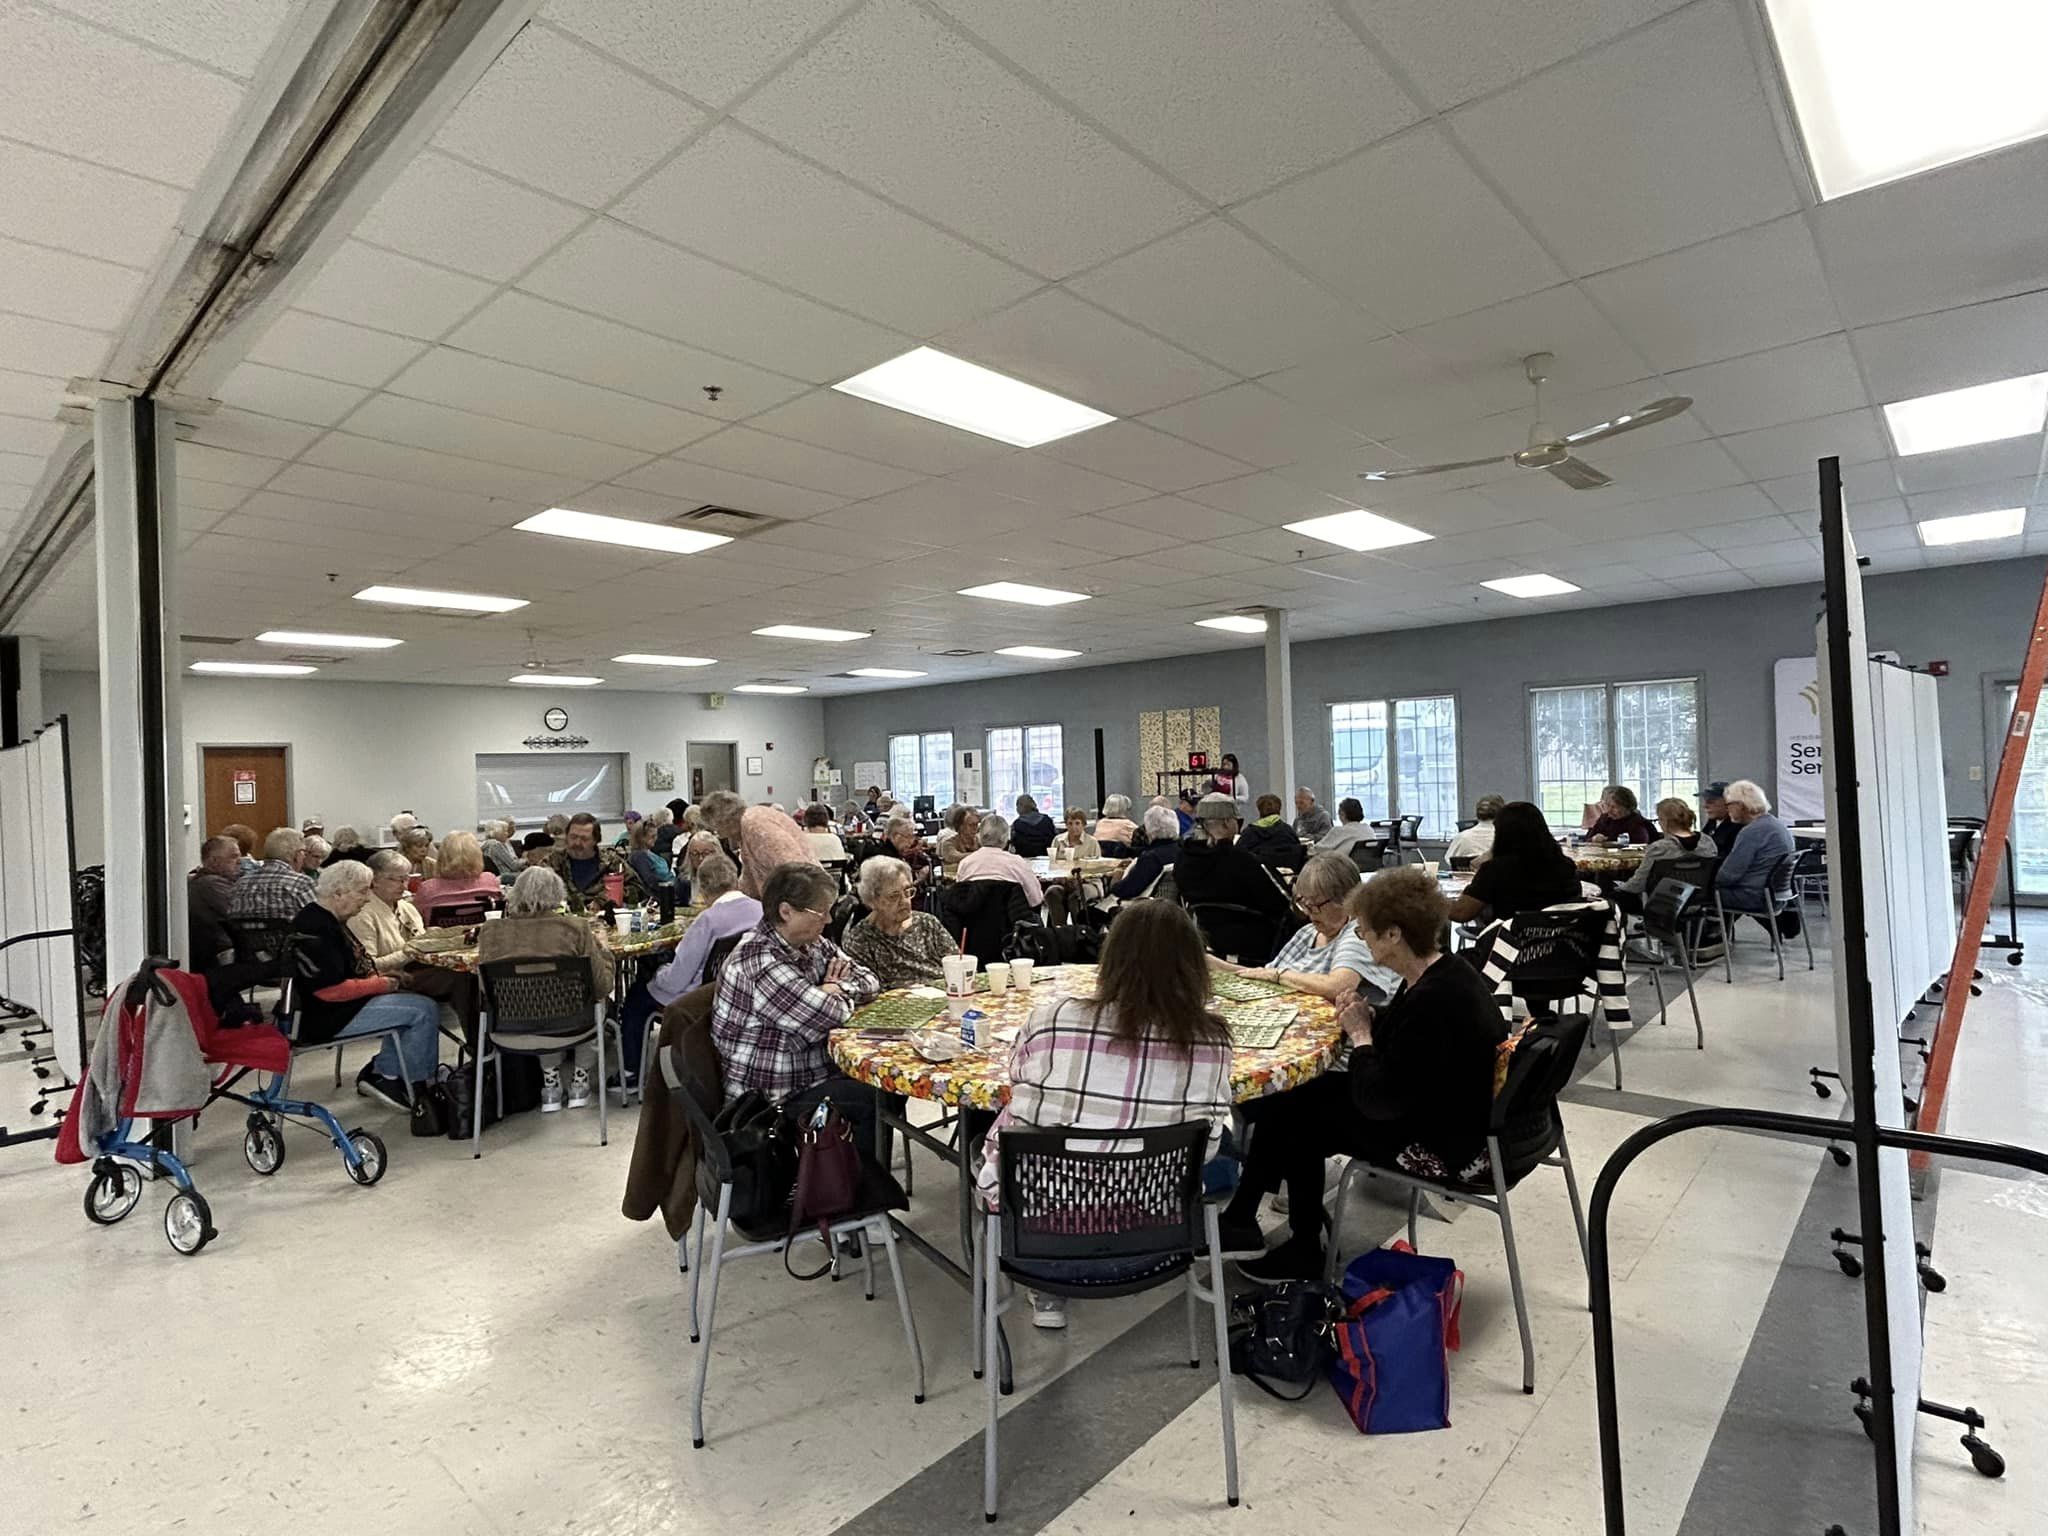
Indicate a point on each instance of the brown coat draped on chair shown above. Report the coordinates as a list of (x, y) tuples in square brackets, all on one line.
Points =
[(663, 1173)]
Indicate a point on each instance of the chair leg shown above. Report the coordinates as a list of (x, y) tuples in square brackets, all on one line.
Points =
[(902, 1303), (1806, 932), (1507, 1237), (1571, 1188), (1613, 1043), (1777, 944), (1414, 1211), (697, 1269), (1219, 1307), (604, 1135), (990, 1271), (337, 1066), (476, 1100), (1194, 1325), (710, 1318), (1657, 981), (1699, 1030), (974, 1304), (1337, 1221), (867, 1264), (1727, 941)]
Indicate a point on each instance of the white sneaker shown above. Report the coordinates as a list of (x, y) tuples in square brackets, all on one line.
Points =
[(550, 1090), (1048, 1311), (580, 1088)]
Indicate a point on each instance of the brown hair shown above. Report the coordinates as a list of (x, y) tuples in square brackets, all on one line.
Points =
[(817, 816), (1155, 974), (1677, 812), (244, 836), (1269, 805), (1407, 898)]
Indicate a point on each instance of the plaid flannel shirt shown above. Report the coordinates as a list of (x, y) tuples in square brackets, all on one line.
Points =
[(1068, 1068), (771, 1016), (273, 889)]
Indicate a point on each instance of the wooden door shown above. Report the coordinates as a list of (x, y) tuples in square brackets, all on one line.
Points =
[(245, 784)]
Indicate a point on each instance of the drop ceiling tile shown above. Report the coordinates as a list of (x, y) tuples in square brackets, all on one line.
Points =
[(1186, 520), (86, 92), (1058, 342), (201, 502), (198, 461), (1756, 288), (1393, 385), (545, 401), (30, 394), (1163, 77), (828, 419), (1795, 383), (942, 513), (1031, 476), (1250, 423), (964, 142), (1980, 465), (229, 34), (1676, 143), (740, 200), (46, 347), (330, 349), (20, 434), (443, 429), (1129, 450), (436, 498), (697, 484), (1268, 499), (1587, 352), (1457, 49), (1407, 231), (388, 292), (1974, 344), (251, 432), (392, 460), (1107, 538), (1852, 436), (562, 117), (710, 49), (1216, 291), (1799, 493), (634, 278), (77, 206), (1748, 556), (793, 463), (294, 396), (840, 546), (1953, 501), (458, 216)]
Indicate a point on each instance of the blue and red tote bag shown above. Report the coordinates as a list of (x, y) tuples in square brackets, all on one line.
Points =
[(1400, 1321)]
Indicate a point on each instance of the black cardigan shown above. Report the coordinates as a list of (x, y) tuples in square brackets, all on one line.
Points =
[(328, 955), (1430, 1064)]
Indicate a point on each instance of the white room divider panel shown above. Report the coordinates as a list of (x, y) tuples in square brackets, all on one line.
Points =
[(36, 889)]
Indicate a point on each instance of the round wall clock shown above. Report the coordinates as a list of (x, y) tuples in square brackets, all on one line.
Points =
[(556, 719)]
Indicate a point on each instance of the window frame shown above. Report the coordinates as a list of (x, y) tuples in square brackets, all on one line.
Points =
[(1004, 805), (922, 738), (1390, 704), (1610, 738)]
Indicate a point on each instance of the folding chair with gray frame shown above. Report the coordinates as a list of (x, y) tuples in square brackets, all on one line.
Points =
[(650, 1038), (1526, 1133), (1136, 1209), (715, 1186), (295, 975), (1781, 895), (1672, 914), (532, 1006)]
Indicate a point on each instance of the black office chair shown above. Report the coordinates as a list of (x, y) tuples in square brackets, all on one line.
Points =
[(1370, 854), (987, 910)]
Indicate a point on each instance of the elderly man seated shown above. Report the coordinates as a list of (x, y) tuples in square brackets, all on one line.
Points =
[(1212, 869), (1032, 832), (1310, 820), (582, 863), (278, 887), (992, 860), (207, 890), (901, 946), (532, 927), (1762, 841)]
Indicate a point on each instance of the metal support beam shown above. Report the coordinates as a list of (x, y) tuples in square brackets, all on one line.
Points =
[(141, 729), (21, 689), (1280, 706)]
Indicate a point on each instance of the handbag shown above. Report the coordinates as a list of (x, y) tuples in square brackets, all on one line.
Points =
[(828, 1179), (431, 1107), (460, 1086), (1282, 1335), (1392, 1357), (761, 1144)]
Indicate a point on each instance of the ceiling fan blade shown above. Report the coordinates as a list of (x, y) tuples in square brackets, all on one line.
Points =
[(1643, 416), (1435, 469), (1578, 474)]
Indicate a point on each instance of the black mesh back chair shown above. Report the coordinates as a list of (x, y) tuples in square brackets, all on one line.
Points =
[(466, 913), (1672, 914), (1370, 854), (1133, 1205), (538, 1005), (1526, 1133), (259, 947), (1557, 961), (715, 1185), (714, 962), (1232, 931), (1781, 895), (1810, 877), (987, 910)]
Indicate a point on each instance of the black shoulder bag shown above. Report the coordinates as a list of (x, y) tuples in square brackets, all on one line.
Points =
[(1283, 1335)]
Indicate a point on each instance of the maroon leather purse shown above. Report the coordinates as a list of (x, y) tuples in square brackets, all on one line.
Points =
[(828, 1180)]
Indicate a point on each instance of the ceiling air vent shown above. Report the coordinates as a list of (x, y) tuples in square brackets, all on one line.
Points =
[(730, 521), (211, 639), (959, 653)]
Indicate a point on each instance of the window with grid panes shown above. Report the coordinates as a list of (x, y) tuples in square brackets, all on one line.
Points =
[(1408, 770), (921, 765)]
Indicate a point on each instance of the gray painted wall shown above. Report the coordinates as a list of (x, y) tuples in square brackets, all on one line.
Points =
[(1976, 617)]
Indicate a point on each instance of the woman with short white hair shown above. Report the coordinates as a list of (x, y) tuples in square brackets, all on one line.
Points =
[(533, 926), (994, 861), (1162, 848), (1761, 842), (1114, 825), (901, 945)]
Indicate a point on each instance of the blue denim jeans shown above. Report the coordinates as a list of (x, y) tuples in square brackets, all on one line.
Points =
[(410, 1054)]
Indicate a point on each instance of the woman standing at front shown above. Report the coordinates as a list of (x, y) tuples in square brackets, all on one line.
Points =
[(1418, 1093)]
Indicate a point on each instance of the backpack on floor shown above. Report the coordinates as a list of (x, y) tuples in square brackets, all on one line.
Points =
[(1392, 1365)]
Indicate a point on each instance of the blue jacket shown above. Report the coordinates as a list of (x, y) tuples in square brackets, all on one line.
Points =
[(1746, 869)]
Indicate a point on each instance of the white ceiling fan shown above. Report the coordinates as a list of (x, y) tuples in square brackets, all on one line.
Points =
[(535, 662), (1547, 448)]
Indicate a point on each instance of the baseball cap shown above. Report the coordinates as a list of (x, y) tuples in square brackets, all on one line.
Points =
[(1216, 808)]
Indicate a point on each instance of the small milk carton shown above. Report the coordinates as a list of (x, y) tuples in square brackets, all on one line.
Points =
[(973, 1028)]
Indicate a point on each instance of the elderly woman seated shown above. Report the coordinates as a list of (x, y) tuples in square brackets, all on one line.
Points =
[(1162, 848), (905, 845), (644, 858), (825, 844), (343, 995), (1328, 957), (1114, 829), (534, 926), (962, 824), (417, 844), (385, 923), (462, 877), (727, 911), (696, 848), (901, 946), (994, 861)]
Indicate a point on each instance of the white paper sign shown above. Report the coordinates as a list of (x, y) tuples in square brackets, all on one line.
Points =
[(1797, 689), (865, 774)]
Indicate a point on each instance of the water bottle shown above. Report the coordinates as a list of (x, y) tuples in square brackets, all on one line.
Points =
[(1622, 841)]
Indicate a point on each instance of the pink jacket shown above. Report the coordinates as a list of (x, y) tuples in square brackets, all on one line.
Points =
[(767, 839)]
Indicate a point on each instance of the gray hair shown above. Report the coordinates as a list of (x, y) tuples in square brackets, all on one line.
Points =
[(700, 840), (1026, 806), (874, 871), (956, 813), (385, 859), (1324, 878), (284, 844), (317, 847), (1746, 793), (1116, 806), (557, 824), (714, 877), (342, 879), (895, 822), (798, 883), (995, 832), (214, 847), (662, 816), (1161, 825), (403, 823), (347, 837), (1303, 789), (537, 890), (721, 807)]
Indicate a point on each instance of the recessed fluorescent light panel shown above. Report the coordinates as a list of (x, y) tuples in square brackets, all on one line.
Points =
[(251, 668), (1037, 652), (811, 632), (884, 672), (1360, 531), (1962, 418), (1530, 586), (565, 523), (1024, 592), (770, 688), (1885, 89), (2007, 523), (1236, 623), (643, 659), (325, 642), (421, 597), (553, 680), (961, 394)]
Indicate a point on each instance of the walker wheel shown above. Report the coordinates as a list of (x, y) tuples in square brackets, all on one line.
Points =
[(112, 1194), (188, 1223), (263, 1146), (369, 1165), (1983, 1458)]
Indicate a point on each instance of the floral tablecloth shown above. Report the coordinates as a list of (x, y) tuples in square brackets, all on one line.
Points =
[(445, 948), (1069, 869), (979, 1079)]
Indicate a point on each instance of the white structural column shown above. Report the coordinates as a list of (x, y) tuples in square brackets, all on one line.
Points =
[(1280, 708), (141, 734)]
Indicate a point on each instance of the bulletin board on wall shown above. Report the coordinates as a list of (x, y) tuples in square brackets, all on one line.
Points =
[(1167, 736)]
